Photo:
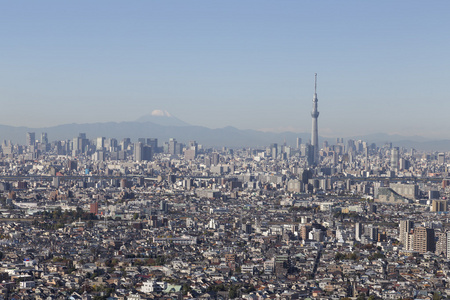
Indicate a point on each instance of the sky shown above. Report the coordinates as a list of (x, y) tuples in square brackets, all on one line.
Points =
[(383, 66)]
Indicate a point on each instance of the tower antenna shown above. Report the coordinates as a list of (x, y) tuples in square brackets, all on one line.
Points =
[(315, 83)]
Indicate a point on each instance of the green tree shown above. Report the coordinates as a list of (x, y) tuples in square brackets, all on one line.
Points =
[(186, 289), (361, 296), (437, 296), (233, 292)]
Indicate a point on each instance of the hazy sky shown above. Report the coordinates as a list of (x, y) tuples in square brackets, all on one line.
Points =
[(383, 66)]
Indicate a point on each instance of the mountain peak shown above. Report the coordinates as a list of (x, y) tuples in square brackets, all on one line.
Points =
[(160, 113), (162, 117)]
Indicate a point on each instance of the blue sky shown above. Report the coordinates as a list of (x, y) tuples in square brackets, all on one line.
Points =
[(383, 66)]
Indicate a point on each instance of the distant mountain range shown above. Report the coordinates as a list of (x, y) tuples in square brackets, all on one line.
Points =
[(163, 126)]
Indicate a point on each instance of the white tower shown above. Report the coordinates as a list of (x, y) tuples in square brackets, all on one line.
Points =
[(315, 129)]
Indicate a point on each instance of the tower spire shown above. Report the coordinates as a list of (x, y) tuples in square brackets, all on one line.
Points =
[(315, 130), (315, 83)]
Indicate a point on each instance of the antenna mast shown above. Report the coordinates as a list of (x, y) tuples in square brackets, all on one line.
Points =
[(315, 83)]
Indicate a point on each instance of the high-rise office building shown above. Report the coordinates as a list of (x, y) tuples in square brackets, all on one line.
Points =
[(274, 150), (125, 143), (351, 148), (147, 153), (80, 143), (309, 154), (303, 149), (395, 158), (44, 138), (100, 143), (172, 146), (44, 146), (193, 144), (31, 138), (138, 149), (215, 159), (315, 129), (153, 143), (142, 152), (191, 152), (299, 142)]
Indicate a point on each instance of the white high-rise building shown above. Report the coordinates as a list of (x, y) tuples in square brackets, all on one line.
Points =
[(448, 245), (358, 231), (100, 143), (405, 228)]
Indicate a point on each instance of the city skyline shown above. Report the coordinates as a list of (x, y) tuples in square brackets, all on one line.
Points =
[(383, 66), (165, 150)]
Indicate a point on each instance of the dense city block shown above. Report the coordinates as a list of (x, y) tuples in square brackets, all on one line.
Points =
[(100, 218)]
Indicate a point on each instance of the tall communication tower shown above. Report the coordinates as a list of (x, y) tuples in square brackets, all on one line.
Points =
[(315, 129)]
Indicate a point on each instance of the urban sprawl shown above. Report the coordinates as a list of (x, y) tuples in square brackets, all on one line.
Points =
[(119, 219)]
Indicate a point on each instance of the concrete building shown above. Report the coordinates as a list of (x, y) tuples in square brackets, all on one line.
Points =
[(404, 230), (439, 206), (395, 158), (424, 240), (31, 138), (407, 190)]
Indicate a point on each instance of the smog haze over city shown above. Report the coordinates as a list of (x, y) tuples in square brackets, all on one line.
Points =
[(382, 65)]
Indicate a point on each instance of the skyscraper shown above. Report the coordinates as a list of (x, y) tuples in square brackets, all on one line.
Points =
[(142, 152), (309, 154), (172, 146), (138, 149), (31, 138), (315, 129), (100, 143), (395, 157), (44, 138), (299, 142), (274, 150)]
